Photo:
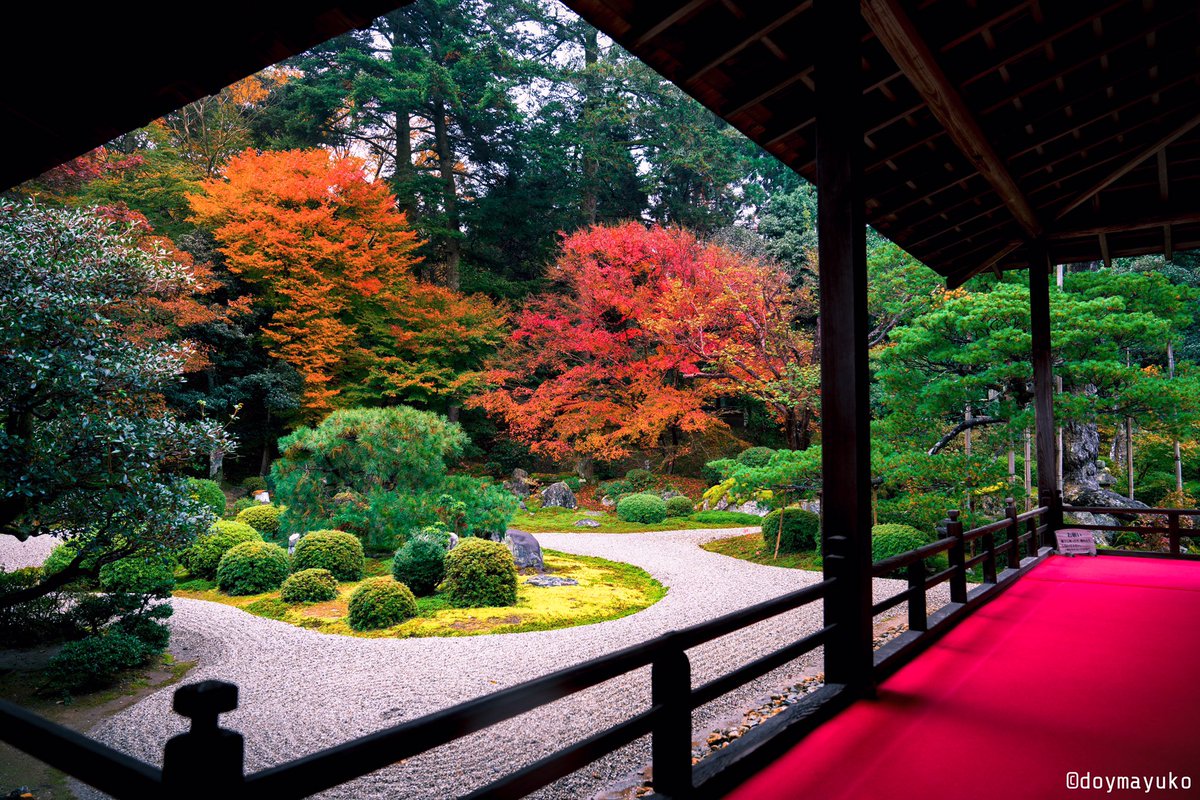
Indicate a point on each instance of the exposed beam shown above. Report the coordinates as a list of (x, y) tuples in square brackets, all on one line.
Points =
[(667, 21), (1125, 223), (901, 39), (746, 40), (957, 279), (1129, 166)]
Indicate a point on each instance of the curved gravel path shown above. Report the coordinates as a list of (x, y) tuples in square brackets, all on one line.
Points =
[(302, 691)]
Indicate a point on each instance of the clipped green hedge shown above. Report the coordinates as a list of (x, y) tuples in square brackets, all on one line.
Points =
[(204, 556), (727, 518), (207, 492), (252, 568), (481, 573), (420, 564), (755, 456), (801, 530), (95, 661), (380, 603), (337, 551), (892, 539), (263, 517), (644, 508), (680, 506), (309, 586)]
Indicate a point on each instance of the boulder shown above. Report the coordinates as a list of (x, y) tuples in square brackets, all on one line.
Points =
[(525, 549), (751, 507), (518, 484), (607, 502), (263, 496), (558, 495), (550, 580), (586, 523)]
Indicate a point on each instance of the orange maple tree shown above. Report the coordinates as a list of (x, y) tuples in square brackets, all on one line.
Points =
[(649, 327), (332, 260)]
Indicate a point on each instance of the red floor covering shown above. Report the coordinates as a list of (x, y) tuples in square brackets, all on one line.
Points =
[(1085, 665)]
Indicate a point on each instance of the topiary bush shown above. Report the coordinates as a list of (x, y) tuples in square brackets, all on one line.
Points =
[(252, 568), (639, 480), (892, 539), (801, 530), (421, 564), (481, 573), (679, 506), (95, 661), (380, 603), (207, 492), (337, 551), (263, 517), (254, 484), (309, 586), (645, 508), (204, 556), (755, 456)]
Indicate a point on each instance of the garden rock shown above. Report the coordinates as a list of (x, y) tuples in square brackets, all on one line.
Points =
[(669, 493), (607, 502), (751, 507), (586, 523), (550, 580), (525, 549), (593, 513), (558, 495), (295, 537), (263, 497), (518, 484)]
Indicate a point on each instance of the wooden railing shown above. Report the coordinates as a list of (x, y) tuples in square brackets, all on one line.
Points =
[(207, 761), (1173, 530)]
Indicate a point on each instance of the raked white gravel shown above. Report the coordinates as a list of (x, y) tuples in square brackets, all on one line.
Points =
[(301, 691)]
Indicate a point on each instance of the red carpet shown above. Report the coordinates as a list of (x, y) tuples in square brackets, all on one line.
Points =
[(1086, 665)]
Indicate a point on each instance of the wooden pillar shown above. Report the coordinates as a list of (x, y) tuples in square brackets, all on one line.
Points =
[(1043, 388), (845, 407)]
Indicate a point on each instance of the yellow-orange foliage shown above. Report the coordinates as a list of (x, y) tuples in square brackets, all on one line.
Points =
[(322, 243)]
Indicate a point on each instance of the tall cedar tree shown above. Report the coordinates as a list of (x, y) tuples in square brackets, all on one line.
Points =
[(332, 258)]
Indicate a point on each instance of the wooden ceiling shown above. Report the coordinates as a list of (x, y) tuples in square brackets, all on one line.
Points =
[(79, 77), (993, 128)]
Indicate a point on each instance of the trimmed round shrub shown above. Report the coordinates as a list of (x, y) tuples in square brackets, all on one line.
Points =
[(380, 603), (647, 508), (254, 484), (420, 564), (481, 573), (152, 575), (309, 586), (755, 456), (96, 660), (639, 480), (263, 517), (801, 530), (204, 556), (252, 568), (679, 506), (892, 539), (337, 551), (207, 492)]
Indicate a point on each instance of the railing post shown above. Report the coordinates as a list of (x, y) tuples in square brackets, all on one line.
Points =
[(958, 557), (207, 761), (1173, 532), (918, 616), (989, 557), (1014, 533), (671, 742)]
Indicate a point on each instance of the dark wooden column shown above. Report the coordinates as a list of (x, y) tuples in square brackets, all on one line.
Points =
[(845, 412), (1043, 385)]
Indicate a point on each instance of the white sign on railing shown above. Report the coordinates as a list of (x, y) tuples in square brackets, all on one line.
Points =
[(1072, 542)]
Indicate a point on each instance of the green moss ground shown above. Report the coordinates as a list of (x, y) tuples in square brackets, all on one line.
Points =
[(751, 548), (607, 590)]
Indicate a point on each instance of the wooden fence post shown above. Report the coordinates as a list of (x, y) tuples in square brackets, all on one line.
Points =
[(671, 742), (207, 761), (958, 556), (1014, 533)]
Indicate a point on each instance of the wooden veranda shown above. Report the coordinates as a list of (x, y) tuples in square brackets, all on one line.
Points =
[(976, 134)]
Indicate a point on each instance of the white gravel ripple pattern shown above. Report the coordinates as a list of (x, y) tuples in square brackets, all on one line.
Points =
[(301, 691)]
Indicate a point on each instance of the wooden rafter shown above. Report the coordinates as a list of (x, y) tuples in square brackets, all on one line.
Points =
[(670, 19), (1128, 166), (764, 29), (959, 278), (902, 40)]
